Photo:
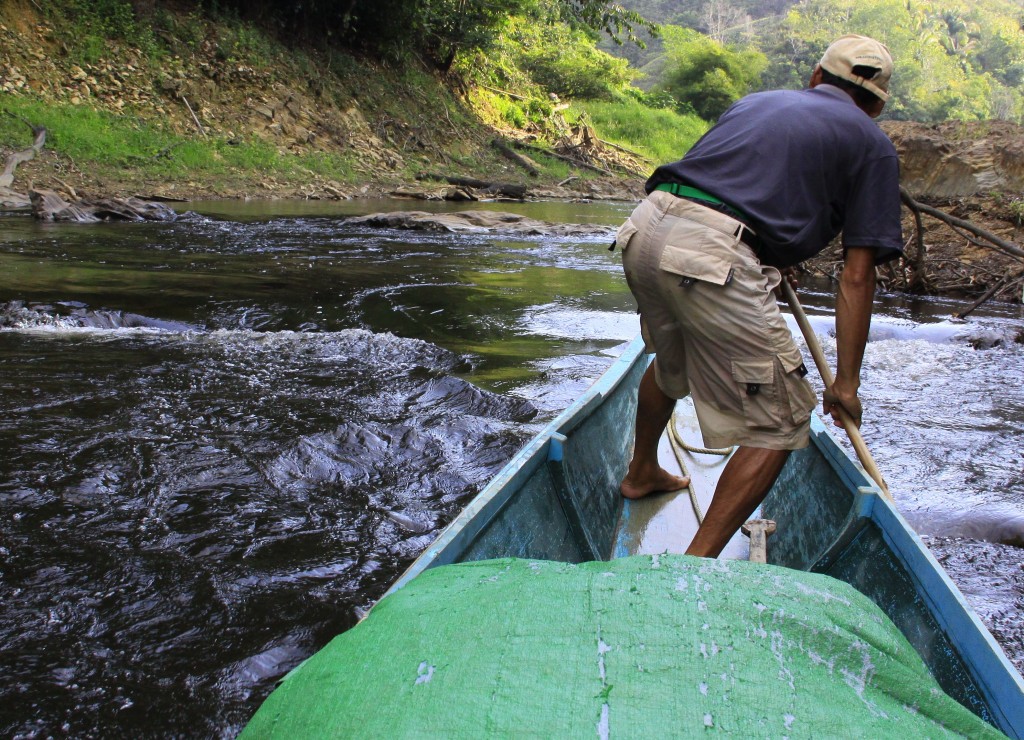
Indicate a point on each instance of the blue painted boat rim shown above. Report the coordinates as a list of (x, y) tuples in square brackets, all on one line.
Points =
[(536, 452), (999, 681)]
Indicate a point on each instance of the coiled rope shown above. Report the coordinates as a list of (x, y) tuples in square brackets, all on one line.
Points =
[(679, 447)]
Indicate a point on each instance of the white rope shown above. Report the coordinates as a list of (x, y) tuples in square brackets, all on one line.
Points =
[(679, 447)]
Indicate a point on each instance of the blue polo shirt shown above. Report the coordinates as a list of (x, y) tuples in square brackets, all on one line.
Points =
[(802, 166)]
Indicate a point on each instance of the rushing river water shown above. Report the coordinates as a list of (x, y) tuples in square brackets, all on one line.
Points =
[(224, 437)]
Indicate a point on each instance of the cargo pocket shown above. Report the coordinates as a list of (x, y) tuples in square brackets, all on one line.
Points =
[(755, 382), (624, 234), (693, 265), (800, 395)]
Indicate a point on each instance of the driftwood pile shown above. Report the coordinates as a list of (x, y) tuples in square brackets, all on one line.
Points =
[(916, 278), (47, 205), (923, 272), (580, 146)]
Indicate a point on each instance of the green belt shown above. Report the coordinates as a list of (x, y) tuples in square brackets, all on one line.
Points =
[(685, 191)]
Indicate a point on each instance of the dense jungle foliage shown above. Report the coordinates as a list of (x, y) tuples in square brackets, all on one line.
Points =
[(955, 60)]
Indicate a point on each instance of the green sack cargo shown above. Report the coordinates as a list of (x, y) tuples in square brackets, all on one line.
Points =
[(662, 646)]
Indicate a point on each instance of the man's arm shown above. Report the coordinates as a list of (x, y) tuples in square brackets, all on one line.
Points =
[(853, 320)]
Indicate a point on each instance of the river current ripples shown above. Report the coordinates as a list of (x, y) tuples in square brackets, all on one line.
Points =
[(223, 438)]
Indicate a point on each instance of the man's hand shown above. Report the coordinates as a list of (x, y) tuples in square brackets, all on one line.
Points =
[(789, 275), (839, 397)]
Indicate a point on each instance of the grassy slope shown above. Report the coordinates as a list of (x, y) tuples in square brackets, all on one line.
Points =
[(268, 120)]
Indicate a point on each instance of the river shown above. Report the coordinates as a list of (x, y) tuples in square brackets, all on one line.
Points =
[(222, 438)]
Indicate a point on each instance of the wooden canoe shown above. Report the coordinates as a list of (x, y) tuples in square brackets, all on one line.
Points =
[(558, 500)]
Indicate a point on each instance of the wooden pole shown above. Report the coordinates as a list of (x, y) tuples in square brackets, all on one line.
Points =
[(826, 375), (758, 530), (195, 119)]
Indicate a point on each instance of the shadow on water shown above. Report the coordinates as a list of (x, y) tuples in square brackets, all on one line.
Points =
[(224, 437)]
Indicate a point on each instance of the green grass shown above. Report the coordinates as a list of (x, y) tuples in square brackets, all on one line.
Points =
[(84, 134), (104, 141), (434, 129), (661, 134), (1017, 211)]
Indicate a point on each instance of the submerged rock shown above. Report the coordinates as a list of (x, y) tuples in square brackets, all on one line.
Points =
[(49, 206), (476, 222)]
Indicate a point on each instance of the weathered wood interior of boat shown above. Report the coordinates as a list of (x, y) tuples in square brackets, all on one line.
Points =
[(558, 498)]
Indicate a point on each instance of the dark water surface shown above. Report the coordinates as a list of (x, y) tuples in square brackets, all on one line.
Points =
[(223, 438)]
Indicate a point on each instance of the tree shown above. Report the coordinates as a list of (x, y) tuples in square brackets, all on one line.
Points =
[(718, 17), (601, 15), (451, 26), (565, 61), (436, 29), (954, 60), (706, 76)]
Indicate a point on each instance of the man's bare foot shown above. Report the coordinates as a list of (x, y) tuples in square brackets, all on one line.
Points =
[(661, 482)]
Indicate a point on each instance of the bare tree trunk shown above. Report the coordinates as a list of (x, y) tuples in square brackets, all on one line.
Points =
[(918, 280), (522, 160), (7, 178), (1000, 245)]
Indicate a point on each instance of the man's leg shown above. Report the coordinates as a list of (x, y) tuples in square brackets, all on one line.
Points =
[(653, 411), (745, 482)]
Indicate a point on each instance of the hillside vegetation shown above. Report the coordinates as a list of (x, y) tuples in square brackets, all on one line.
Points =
[(324, 97), (178, 99), (954, 60)]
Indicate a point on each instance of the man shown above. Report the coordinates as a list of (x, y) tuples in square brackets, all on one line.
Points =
[(771, 184)]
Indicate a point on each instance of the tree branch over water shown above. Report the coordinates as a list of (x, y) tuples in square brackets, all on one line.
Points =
[(995, 242)]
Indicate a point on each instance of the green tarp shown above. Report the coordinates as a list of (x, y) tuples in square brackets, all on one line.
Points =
[(663, 646)]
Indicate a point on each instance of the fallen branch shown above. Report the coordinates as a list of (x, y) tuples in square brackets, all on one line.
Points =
[(523, 161), (995, 242), (507, 189), (194, 117), (25, 155), (570, 160), (922, 250), (623, 149), (504, 92), (991, 292), (70, 190)]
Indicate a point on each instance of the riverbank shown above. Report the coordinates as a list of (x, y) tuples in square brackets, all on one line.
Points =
[(221, 113), (219, 109), (954, 263)]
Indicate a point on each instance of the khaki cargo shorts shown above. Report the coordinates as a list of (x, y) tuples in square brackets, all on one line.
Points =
[(708, 312)]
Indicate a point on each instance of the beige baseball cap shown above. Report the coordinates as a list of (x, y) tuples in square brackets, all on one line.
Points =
[(849, 52)]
